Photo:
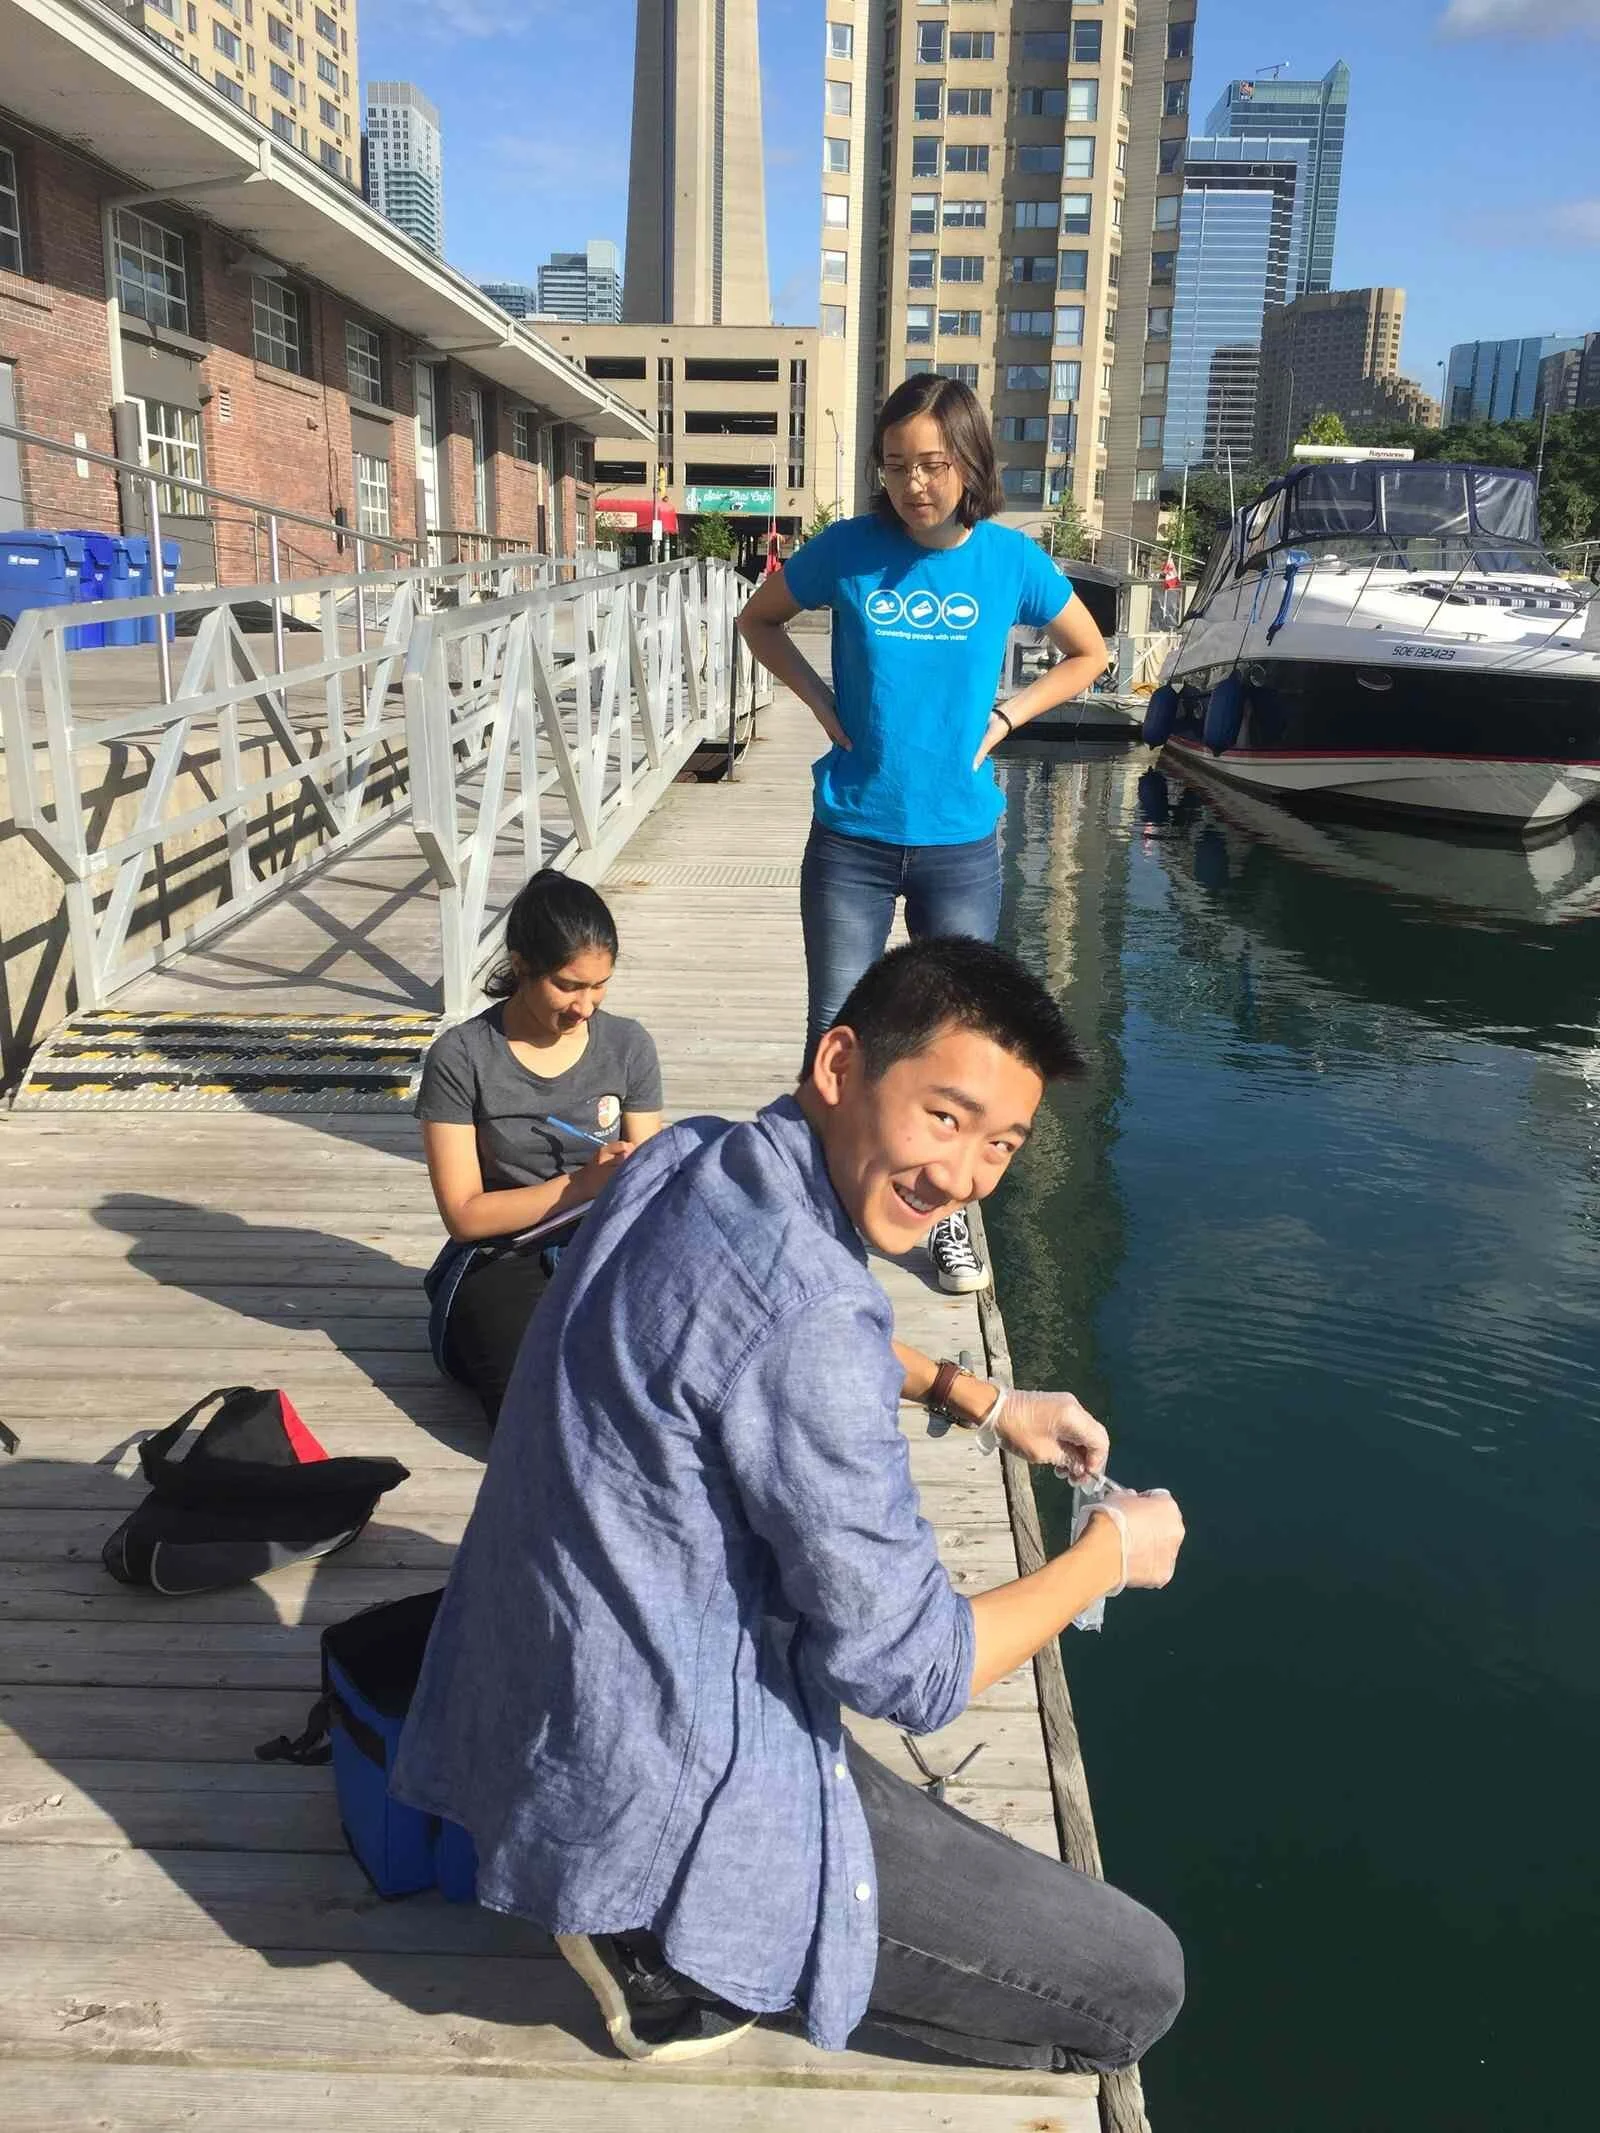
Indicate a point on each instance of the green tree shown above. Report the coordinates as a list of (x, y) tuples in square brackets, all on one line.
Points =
[(711, 535), (1325, 428), (1185, 535), (1067, 536), (822, 518)]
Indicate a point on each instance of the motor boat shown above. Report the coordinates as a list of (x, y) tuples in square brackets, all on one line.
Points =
[(1393, 634)]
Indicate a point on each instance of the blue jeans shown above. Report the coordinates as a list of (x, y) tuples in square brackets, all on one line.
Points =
[(848, 890)]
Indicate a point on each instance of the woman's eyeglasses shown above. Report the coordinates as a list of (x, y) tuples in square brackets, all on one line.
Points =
[(929, 469)]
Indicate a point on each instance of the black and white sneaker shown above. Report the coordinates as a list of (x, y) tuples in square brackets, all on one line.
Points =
[(955, 1257), (651, 2012)]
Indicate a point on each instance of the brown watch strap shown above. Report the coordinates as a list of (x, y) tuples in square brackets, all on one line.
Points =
[(944, 1379)]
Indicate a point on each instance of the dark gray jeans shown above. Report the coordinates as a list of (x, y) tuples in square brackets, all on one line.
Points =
[(988, 1951)]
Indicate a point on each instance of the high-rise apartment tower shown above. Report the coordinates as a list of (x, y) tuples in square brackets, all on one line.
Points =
[(1498, 381), (1328, 354), (404, 161), (585, 287), (697, 218), (1000, 202), (297, 73), (1309, 111)]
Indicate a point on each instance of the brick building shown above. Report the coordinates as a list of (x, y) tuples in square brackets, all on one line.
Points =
[(175, 288)]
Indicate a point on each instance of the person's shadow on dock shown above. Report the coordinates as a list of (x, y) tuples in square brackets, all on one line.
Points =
[(370, 1306)]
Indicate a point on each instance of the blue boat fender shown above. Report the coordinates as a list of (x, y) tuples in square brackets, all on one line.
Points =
[(1224, 714), (1159, 716)]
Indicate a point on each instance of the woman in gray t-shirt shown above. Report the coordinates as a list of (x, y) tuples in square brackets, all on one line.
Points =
[(526, 1110)]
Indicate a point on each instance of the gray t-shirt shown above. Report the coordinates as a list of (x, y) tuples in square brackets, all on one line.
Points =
[(472, 1078)]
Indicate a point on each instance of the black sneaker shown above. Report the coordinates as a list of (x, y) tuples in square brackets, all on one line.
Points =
[(650, 2011), (955, 1257)]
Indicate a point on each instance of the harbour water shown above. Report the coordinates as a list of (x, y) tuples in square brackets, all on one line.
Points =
[(1318, 1235)]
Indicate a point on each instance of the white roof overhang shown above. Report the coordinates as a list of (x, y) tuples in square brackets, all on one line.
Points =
[(77, 70)]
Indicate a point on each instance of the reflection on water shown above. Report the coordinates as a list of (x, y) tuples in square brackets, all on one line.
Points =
[(1318, 1236)]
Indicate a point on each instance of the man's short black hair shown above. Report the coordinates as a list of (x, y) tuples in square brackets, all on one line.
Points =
[(913, 994)]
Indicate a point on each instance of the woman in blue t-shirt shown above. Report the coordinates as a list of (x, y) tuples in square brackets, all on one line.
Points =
[(925, 590)]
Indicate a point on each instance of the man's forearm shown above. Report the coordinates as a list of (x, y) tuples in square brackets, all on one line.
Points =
[(1014, 1621), (970, 1396)]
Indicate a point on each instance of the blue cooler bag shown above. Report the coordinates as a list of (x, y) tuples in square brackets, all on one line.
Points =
[(370, 1666)]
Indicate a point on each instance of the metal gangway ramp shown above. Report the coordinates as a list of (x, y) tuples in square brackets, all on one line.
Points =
[(183, 1937)]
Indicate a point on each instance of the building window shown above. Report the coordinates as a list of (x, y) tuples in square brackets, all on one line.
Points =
[(1102, 431), (1167, 208), (363, 362), (281, 79), (1069, 322), (283, 126), (918, 367), (972, 44), (1027, 377), (1099, 484), (930, 44), (1041, 158), (372, 494), (1066, 381), (1109, 327), (1073, 272), (1041, 103), (838, 99), (841, 40), (1127, 42), (1033, 215), (919, 323), (1176, 101), (925, 156), (328, 113), (277, 325), (1083, 101), (10, 213), (1077, 214), (1020, 429), (1149, 433), (963, 323), (225, 41), (152, 279), (832, 322), (1063, 428), (836, 155), (1147, 486), (1171, 157), (1032, 266), (926, 97), (328, 156), (836, 210), (961, 266), (1080, 157), (230, 89), (524, 444), (730, 422), (924, 214), (966, 156), (1086, 44), (1180, 40), (280, 34), (326, 26), (835, 266), (1044, 44), (969, 103), (173, 434), (1022, 485), (1122, 156), (919, 270), (1116, 211), (1029, 325), (327, 70), (966, 214), (963, 373), (1163, 266), (1105, 377), (1155, 377), (1159, 326)]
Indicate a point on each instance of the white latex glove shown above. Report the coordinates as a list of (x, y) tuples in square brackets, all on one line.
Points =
[(1053, 1429)]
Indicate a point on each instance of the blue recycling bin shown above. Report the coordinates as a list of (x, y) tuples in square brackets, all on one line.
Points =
[(40, 570), (107, 575), (138, 547)]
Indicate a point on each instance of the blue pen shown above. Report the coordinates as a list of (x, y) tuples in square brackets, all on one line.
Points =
[(580, 1133)]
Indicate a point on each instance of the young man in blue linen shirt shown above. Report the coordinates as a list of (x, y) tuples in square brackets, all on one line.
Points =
[(697, 1540)]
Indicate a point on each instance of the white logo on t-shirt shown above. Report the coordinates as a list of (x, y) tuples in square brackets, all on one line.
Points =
[(921, 611), (884, 607)]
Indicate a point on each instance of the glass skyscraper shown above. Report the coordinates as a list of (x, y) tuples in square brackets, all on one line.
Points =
[(1309, 111), (1243, 235), (1498, 381)]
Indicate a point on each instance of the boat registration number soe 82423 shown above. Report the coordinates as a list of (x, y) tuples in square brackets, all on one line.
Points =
[(1424, 651)]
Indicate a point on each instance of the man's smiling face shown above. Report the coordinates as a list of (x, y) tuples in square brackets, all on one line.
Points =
[(930, 1133)]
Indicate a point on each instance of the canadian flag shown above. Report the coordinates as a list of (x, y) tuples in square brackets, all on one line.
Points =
[(1171, 577)]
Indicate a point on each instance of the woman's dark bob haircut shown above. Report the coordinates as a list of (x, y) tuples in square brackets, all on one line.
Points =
[(967, 438), (553, 921)]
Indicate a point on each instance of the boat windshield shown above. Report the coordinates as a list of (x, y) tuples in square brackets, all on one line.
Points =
[(1430, 515)]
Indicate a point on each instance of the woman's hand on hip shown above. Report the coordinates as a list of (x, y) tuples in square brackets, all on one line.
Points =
[(827, 717), (994, 733)]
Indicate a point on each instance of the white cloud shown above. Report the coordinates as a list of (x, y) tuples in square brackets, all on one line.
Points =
[(1553, 226), (1520, 18)]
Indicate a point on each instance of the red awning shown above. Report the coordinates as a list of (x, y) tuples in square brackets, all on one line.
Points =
[(637, 512)]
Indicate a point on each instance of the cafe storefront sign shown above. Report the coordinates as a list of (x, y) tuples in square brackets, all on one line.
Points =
[(741, 503)]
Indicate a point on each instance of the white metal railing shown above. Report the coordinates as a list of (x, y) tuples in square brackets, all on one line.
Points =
[(265, 762), (564, 746)]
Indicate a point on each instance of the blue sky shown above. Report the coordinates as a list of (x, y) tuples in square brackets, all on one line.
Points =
[(1470, 173)]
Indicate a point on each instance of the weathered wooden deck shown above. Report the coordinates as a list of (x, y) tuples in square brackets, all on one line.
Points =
[(183, 1938)]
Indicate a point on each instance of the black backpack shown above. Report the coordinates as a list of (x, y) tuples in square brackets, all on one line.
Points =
[(254, 1491)]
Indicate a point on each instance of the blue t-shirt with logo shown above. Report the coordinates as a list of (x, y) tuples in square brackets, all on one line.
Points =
[(919, 639)]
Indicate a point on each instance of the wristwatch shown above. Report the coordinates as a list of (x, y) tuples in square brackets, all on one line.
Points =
[(938, 1402)]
